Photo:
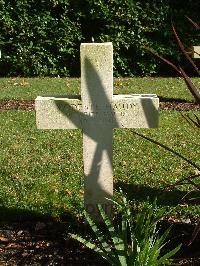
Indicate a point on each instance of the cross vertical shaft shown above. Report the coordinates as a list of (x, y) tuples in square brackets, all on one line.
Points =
[(96, 94)]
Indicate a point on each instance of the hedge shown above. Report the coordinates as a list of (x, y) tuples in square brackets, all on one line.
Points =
[(39, 38), (42, 38)]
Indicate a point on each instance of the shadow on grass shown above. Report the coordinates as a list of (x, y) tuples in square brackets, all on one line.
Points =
[(30, 238), (164, 197), (174, 100), (8, 214)]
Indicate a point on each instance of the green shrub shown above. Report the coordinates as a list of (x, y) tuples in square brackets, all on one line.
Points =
[(43, 37), (130, 25), (193, 88), (38, 38)]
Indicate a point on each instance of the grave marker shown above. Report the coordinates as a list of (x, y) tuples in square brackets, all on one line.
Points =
[(97, 112)]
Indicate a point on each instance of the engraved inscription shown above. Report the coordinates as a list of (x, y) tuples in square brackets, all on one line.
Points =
[(124, 106), (107, 107), (105, 114)]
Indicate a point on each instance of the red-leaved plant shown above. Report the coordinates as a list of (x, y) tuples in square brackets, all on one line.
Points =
[(190, 84), (193, 121)]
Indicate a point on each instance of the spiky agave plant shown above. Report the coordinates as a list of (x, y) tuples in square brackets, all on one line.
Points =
[(134, 241)]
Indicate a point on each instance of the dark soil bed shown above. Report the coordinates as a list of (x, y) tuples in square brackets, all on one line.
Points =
[(164, 105), (46, 243), (41, 243)]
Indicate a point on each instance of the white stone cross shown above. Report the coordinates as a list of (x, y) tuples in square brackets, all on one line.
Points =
[(97, 112)]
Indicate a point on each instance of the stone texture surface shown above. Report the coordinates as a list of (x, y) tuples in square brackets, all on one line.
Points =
[(125, 111), (96, 74), (97, 93), (58, 113)]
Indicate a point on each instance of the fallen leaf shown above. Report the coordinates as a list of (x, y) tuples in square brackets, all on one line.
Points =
[(124, 163), (196, 172), (68, 192), (3, 239), (39, 226), (13, 245), (24, 83)]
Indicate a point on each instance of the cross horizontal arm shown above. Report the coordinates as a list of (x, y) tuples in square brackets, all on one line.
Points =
[(125, 111)]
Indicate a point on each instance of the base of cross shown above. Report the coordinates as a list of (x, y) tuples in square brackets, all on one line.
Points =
[(94, 212), (97, 112)]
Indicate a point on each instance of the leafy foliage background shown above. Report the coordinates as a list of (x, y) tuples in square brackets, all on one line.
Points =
[(42, 38)]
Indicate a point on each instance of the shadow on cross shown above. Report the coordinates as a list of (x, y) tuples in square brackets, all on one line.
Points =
[(100, 131), (97, 129)]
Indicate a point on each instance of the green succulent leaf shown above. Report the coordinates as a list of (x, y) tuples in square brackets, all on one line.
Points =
[(134, 243)]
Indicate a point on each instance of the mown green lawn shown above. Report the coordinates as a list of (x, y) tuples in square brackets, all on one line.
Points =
[(30, 88), (42, 171)]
